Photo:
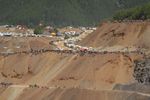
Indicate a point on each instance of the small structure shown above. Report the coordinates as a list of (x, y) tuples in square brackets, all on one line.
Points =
[(72, 33), (1, 34), (53, 34), (59, 34), (5, 34)]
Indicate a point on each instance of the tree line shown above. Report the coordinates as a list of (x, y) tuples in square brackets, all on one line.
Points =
[(136, 13)]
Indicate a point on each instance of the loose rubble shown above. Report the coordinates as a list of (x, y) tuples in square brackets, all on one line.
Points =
[(142, 71)]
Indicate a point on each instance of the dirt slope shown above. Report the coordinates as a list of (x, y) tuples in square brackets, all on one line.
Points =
[(56, 70), (69, 71), (124, 33), (23, 43)]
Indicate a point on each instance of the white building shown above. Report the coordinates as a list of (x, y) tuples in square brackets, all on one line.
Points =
[(5, 34)]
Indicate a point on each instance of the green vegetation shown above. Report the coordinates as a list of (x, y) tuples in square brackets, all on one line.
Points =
[(61, 12), (38, 30), (136, 13)]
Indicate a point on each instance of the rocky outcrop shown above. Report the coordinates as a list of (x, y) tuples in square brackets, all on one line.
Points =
[(142, 71)]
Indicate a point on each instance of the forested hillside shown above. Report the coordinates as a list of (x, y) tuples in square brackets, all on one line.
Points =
[(61, 12), (135, 13)]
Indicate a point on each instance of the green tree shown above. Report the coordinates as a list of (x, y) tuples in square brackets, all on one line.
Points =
[(38, 30), (136, 13)]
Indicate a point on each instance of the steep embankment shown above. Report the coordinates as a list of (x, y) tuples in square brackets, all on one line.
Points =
[(122, 34), (55, 70), (99, 71)]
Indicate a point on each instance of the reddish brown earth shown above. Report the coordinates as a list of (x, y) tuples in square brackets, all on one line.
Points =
[(135, 34), (74, 77)]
